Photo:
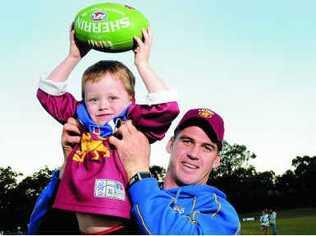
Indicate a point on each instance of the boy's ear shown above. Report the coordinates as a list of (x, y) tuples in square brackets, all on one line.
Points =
[(169, 145), (132, 99)]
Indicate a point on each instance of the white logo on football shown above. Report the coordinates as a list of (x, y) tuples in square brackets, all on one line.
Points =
[(98, 15)]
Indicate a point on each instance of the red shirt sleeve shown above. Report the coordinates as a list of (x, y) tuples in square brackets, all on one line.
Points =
[(153, 120), (60, 107)]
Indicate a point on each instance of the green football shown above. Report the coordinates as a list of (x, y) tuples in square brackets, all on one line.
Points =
[(109, 27)]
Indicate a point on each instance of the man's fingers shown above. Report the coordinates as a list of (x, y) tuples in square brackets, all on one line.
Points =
[(115, 141), (72, 126), (130, 127), (71, 140), (123, 130), (71, 133)]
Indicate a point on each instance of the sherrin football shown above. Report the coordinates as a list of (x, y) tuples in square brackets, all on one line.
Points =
[(109, 27)]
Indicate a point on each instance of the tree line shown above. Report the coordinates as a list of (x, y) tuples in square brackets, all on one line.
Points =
[(247, 189)]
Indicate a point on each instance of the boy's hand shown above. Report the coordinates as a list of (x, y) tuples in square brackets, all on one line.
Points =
[(142, 50), (77, 49)]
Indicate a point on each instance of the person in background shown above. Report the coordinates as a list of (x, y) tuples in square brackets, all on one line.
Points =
[(264, 222), (272, 217)]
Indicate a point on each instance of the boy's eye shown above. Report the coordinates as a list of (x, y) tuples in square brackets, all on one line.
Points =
[(92, 99), (113, 98)]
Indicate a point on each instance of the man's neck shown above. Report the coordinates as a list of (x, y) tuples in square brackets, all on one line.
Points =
[(169, 182)]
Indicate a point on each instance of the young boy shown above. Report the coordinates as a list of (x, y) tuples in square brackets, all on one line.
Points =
[(94, 180)]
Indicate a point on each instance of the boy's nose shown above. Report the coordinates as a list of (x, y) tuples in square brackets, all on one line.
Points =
[(103, 105)]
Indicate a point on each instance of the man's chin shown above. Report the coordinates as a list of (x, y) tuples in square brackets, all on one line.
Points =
[(184, 182)]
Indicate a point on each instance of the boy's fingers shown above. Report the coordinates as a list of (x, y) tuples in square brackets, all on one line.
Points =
[(148, 35), (145, 35), (139, 41)]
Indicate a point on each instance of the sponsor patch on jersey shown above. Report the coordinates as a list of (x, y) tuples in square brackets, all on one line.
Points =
[(107, 188)]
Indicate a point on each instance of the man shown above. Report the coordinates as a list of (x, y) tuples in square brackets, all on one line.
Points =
[(185, 205), (264, 222), (273, 216)]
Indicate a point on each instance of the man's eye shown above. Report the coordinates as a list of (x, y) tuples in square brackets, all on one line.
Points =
[(186, 141), (208, 149)]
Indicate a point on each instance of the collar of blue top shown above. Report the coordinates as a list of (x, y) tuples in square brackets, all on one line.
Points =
[(103, 130)]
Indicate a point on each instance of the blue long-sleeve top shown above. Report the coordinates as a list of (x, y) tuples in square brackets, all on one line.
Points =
[(191, 209)]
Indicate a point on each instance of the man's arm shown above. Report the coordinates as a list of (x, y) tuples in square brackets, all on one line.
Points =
[(151, 205)]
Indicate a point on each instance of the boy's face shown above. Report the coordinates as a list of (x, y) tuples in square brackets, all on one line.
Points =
[(105, 98)]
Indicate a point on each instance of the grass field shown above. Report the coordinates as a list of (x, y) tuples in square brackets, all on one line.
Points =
[(295, 221)]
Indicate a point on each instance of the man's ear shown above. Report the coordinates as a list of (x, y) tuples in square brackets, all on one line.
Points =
[(217, 161), (169, 144)]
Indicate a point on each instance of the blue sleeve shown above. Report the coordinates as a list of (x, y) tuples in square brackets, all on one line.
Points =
[(43, 203), (152, 210)]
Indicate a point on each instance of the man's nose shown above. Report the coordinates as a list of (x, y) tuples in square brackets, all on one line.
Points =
[(194, 152)]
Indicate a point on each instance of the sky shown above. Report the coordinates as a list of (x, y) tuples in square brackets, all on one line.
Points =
[(251, 61)]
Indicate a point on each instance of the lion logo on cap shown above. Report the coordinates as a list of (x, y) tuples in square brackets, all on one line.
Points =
[(205, 113)]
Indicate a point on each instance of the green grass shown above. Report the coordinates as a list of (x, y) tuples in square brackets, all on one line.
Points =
[(295, 221)]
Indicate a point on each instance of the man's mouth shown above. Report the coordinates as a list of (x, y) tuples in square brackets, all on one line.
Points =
[(189, 165)]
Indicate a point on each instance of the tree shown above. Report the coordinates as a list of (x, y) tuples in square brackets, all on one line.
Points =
[(233, 157), (236, 176), (286, 189), (158, 172), (26, 193), (8, 184), (305, 172), (17, 199)]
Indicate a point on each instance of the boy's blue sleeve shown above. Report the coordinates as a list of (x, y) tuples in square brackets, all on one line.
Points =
[(153, 211), (43, 203)]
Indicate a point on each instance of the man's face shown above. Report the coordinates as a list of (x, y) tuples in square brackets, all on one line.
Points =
[(192, 157)]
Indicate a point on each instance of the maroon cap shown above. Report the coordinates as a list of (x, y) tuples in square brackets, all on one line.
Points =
[(206, 119)]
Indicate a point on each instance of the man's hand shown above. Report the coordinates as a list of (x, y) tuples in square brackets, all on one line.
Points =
[(71, 135), (133, 149), (69, 138)]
